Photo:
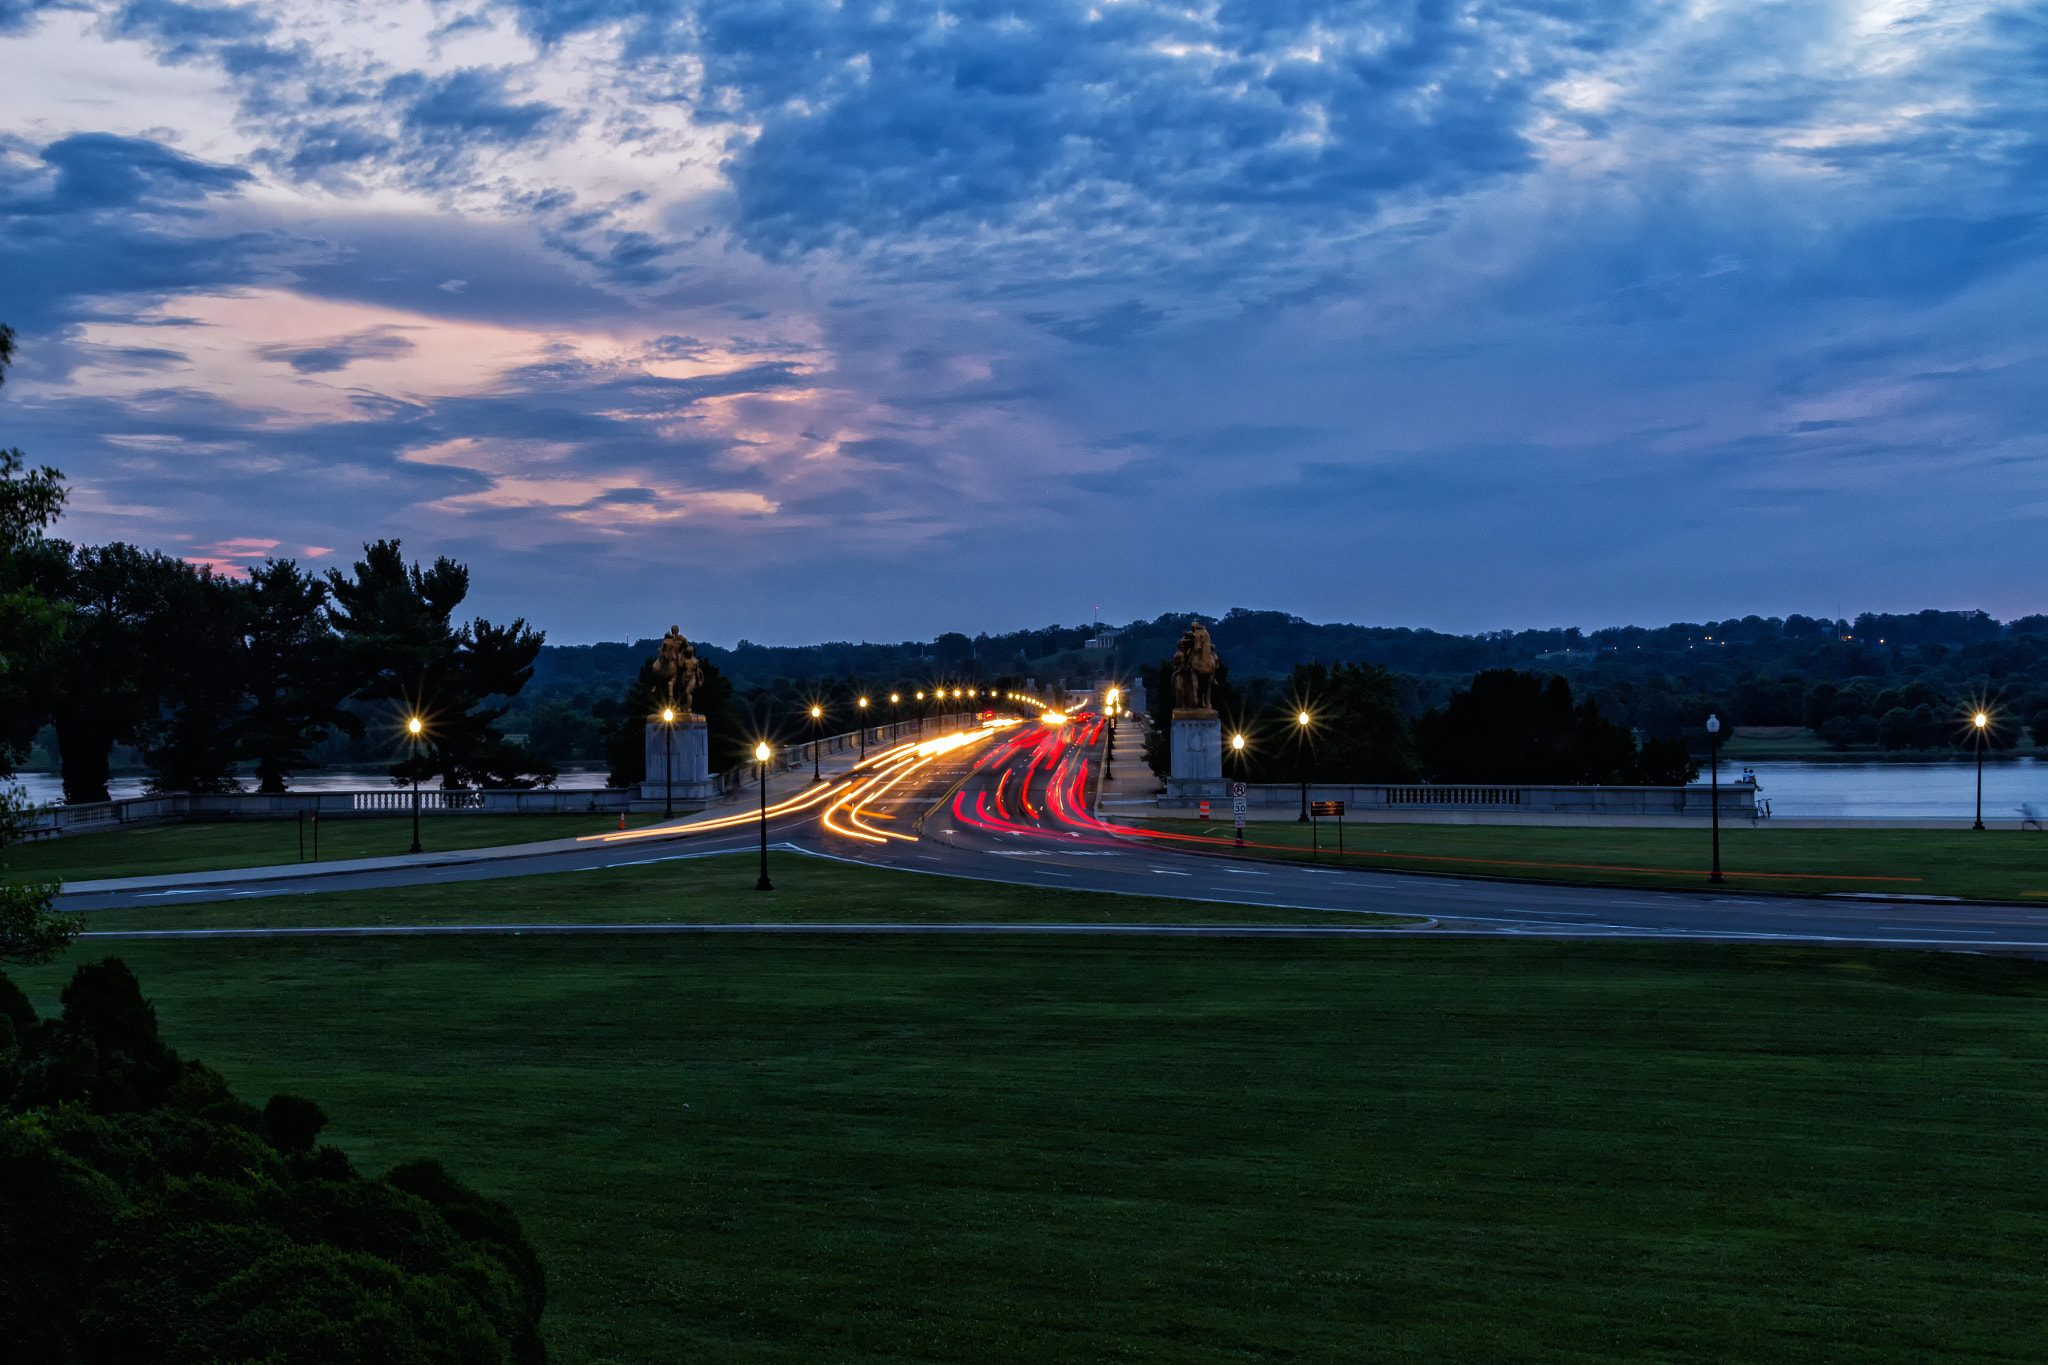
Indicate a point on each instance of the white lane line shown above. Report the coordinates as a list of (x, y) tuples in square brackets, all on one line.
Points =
[(1244, 872), (1164, 873), (1048, 872)]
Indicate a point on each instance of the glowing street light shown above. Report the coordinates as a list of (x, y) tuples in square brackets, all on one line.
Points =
[(1979, 723), (817, 716), (863, 729), (1301, 723), (1237, 751), (761, 752), (414, 727)]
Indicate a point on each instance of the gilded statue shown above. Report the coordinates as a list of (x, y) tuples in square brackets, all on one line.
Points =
[(679, 668), (1195, 665)]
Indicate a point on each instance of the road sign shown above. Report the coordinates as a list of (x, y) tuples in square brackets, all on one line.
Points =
[(1326, 808), (1237, 791)]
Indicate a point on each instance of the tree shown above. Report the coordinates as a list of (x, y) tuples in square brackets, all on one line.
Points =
[(1357, 730), (399, 642), (30, 623), (1515, 727), (146, 1213), (297, 677), (118, 658), (32, 930), (199, 660)]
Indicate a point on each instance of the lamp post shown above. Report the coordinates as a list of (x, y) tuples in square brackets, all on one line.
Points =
[(668, 761), (1300, 757), (1237, 752), (1714, 789), (817, 718), (413, 727), (863, 729), (761, 752), (920, 715), (895, 700), (1979, 721), (1109, 750)]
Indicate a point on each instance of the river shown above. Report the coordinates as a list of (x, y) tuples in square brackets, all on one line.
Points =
[(1895, 791), (44, 788)]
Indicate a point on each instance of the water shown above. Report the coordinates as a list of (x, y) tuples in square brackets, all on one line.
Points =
[(45, 788), (1895, 791), (1796, 790)]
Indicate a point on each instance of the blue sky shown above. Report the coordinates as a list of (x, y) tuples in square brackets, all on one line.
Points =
[(795, 320)]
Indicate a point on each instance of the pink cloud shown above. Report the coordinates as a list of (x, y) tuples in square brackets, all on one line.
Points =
[(224, 568), (315, 551)]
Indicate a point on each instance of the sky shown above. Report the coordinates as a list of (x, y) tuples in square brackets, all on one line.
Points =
[(791, 320)]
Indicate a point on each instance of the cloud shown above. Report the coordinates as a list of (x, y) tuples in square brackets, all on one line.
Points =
[(338, 353), (1459, 312), (467, 106)]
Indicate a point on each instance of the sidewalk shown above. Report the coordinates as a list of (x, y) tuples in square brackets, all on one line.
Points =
[(781, 786), (1131, 787)]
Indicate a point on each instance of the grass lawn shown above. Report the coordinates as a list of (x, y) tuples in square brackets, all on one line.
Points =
[(1976, 864), (752, 1149), (150, 849), (718, 889)]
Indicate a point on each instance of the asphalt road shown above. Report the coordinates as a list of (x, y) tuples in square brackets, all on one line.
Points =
[(1015, 808)]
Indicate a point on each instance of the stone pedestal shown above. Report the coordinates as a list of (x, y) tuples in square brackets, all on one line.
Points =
[(1197, 750), (694, 789)]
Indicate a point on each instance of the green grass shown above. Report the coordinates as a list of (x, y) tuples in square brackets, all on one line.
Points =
[(711, 890), (750, 1149), (150, 849), (1976, 864)]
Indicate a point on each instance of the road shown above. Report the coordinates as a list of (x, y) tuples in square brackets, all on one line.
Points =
[(1013, 805)]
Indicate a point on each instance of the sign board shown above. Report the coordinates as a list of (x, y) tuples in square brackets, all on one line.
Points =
[(1326, 808), (1237, 791)]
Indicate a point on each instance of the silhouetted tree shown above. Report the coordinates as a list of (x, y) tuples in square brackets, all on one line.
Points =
[(399, 641)]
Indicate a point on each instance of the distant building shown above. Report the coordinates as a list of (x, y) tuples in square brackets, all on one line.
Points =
[(1108, 639)]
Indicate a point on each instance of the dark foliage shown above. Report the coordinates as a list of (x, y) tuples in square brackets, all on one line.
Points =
[(1511, 726), (149, 1215), (401, 644)]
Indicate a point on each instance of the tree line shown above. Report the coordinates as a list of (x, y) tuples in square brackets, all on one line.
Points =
[(114, 644), (1507, 726)]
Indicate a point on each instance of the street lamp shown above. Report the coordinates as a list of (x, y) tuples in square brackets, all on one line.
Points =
[(895, 700), (1109, 750), (1237, 751), (863, 729), (413, 727), (1980, 720), (1714, 788), (920, 715), (668, 768), (761, 752), (1300, 757), (817, 718)]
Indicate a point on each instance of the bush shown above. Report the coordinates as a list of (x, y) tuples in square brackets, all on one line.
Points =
[(146, 1214)]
